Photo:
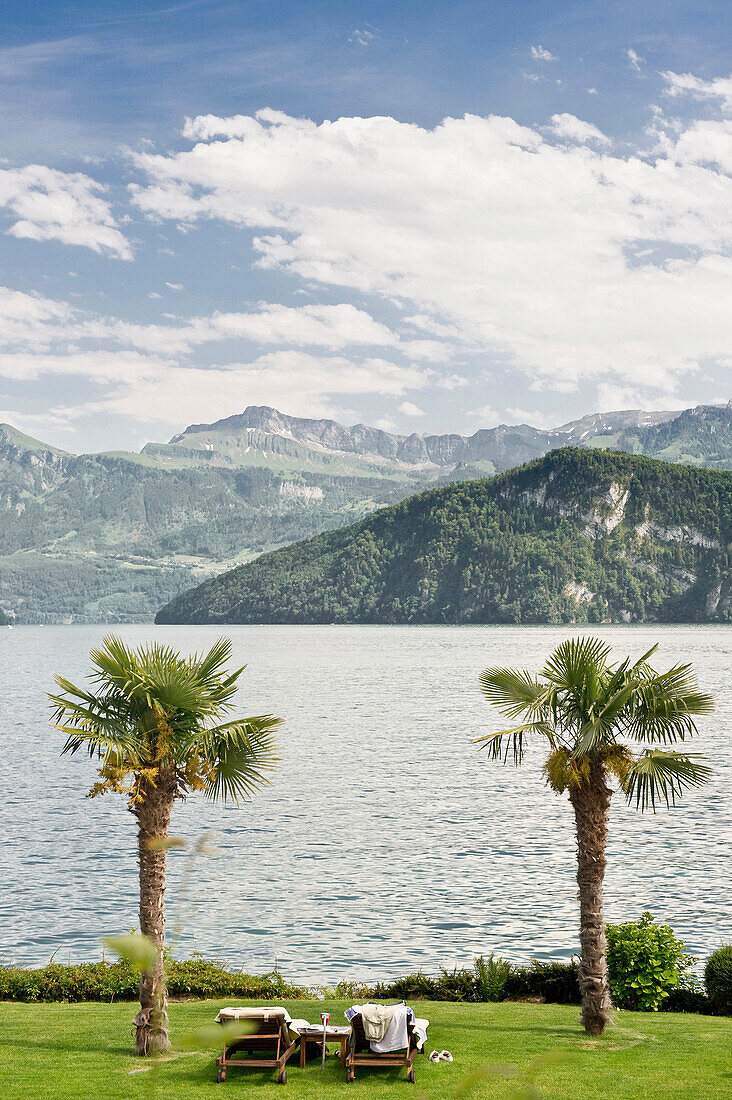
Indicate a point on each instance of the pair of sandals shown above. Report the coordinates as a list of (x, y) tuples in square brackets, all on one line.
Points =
[(441, 1056)]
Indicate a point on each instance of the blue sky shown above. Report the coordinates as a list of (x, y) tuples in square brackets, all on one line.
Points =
[(562, 249)]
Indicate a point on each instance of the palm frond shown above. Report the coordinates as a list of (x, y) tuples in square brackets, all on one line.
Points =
[(511, 742), (209, 671), (642, 662), (513, 691), (665, 705), (615, 702), (587, 704), (241, 754), (102, 741), (112, 661), (94, 722), (574, 660), (602, 716), (662, 775), (589, 738)]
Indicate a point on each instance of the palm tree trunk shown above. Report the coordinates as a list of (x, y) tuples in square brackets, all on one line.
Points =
[(153, 818), (591, 802)]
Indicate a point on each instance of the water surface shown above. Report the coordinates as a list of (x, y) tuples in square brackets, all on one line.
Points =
[(386, 842)]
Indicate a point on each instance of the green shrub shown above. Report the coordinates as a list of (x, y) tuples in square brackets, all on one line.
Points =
[(357, 992), (417, 986), (554, 982), (645, 962), (718, 980), (686, 1000), (689, 996), (491, 975), (450, 985), (490, 979), (456, 985), (103, 981)]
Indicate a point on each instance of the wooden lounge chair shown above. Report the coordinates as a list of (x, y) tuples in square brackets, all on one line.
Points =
[(361, 1054), (266, 1039)]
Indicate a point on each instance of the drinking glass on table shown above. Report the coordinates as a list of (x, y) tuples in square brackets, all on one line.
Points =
[(325, 1018)]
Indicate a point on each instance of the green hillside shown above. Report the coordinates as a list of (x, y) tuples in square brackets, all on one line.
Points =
[(700, 437), (111, 537), (579, 535)]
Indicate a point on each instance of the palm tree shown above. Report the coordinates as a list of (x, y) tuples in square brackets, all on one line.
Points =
[(600, 721), (154, 720)]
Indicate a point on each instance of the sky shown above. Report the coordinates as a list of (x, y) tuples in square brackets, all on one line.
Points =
[(424, 216)]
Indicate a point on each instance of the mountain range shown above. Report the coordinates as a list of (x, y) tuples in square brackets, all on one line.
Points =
[(577, 536), (113, 536)]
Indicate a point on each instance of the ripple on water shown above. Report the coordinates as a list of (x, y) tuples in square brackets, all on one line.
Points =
[(387, 842)]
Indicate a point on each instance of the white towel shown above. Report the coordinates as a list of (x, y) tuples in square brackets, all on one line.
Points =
[(395, 1037), (229, 1015)]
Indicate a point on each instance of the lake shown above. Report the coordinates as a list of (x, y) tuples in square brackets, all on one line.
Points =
[(386, 842)]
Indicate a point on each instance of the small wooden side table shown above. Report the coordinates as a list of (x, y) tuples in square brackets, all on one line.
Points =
[(333, 1034)]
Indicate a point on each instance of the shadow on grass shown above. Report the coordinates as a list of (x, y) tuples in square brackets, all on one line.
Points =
[(174, 1074)]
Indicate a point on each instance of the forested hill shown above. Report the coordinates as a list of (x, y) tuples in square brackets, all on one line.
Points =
[(110, 537), (578, 535)]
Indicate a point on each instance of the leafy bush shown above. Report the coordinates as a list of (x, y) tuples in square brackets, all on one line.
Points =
[(490, 979), (645, 962), (689, 996), (491, 975), (555, 982), (718, 980), (354, 991), (417, 986), (456, 985), (103, 981)]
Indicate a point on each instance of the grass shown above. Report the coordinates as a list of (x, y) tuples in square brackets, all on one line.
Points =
[(83, 1050)]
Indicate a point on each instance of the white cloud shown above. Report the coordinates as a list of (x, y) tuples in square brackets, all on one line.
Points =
[(136, 371), (537, 418), (410, 409), (708, 142), (575, 129), (635, 60), (538, 53), (174, 286), (611, 397), (333, 328), (592, 91), (527, 248), (360, 37), (155, 391), (37, 425), (32, 322), (487, 416), (452, 381), (61, 206), (685, 84)]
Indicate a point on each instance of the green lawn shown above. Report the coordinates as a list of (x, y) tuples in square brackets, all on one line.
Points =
[(82, 1051)]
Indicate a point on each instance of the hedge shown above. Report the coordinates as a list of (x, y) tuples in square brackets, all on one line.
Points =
[(117, 981)]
